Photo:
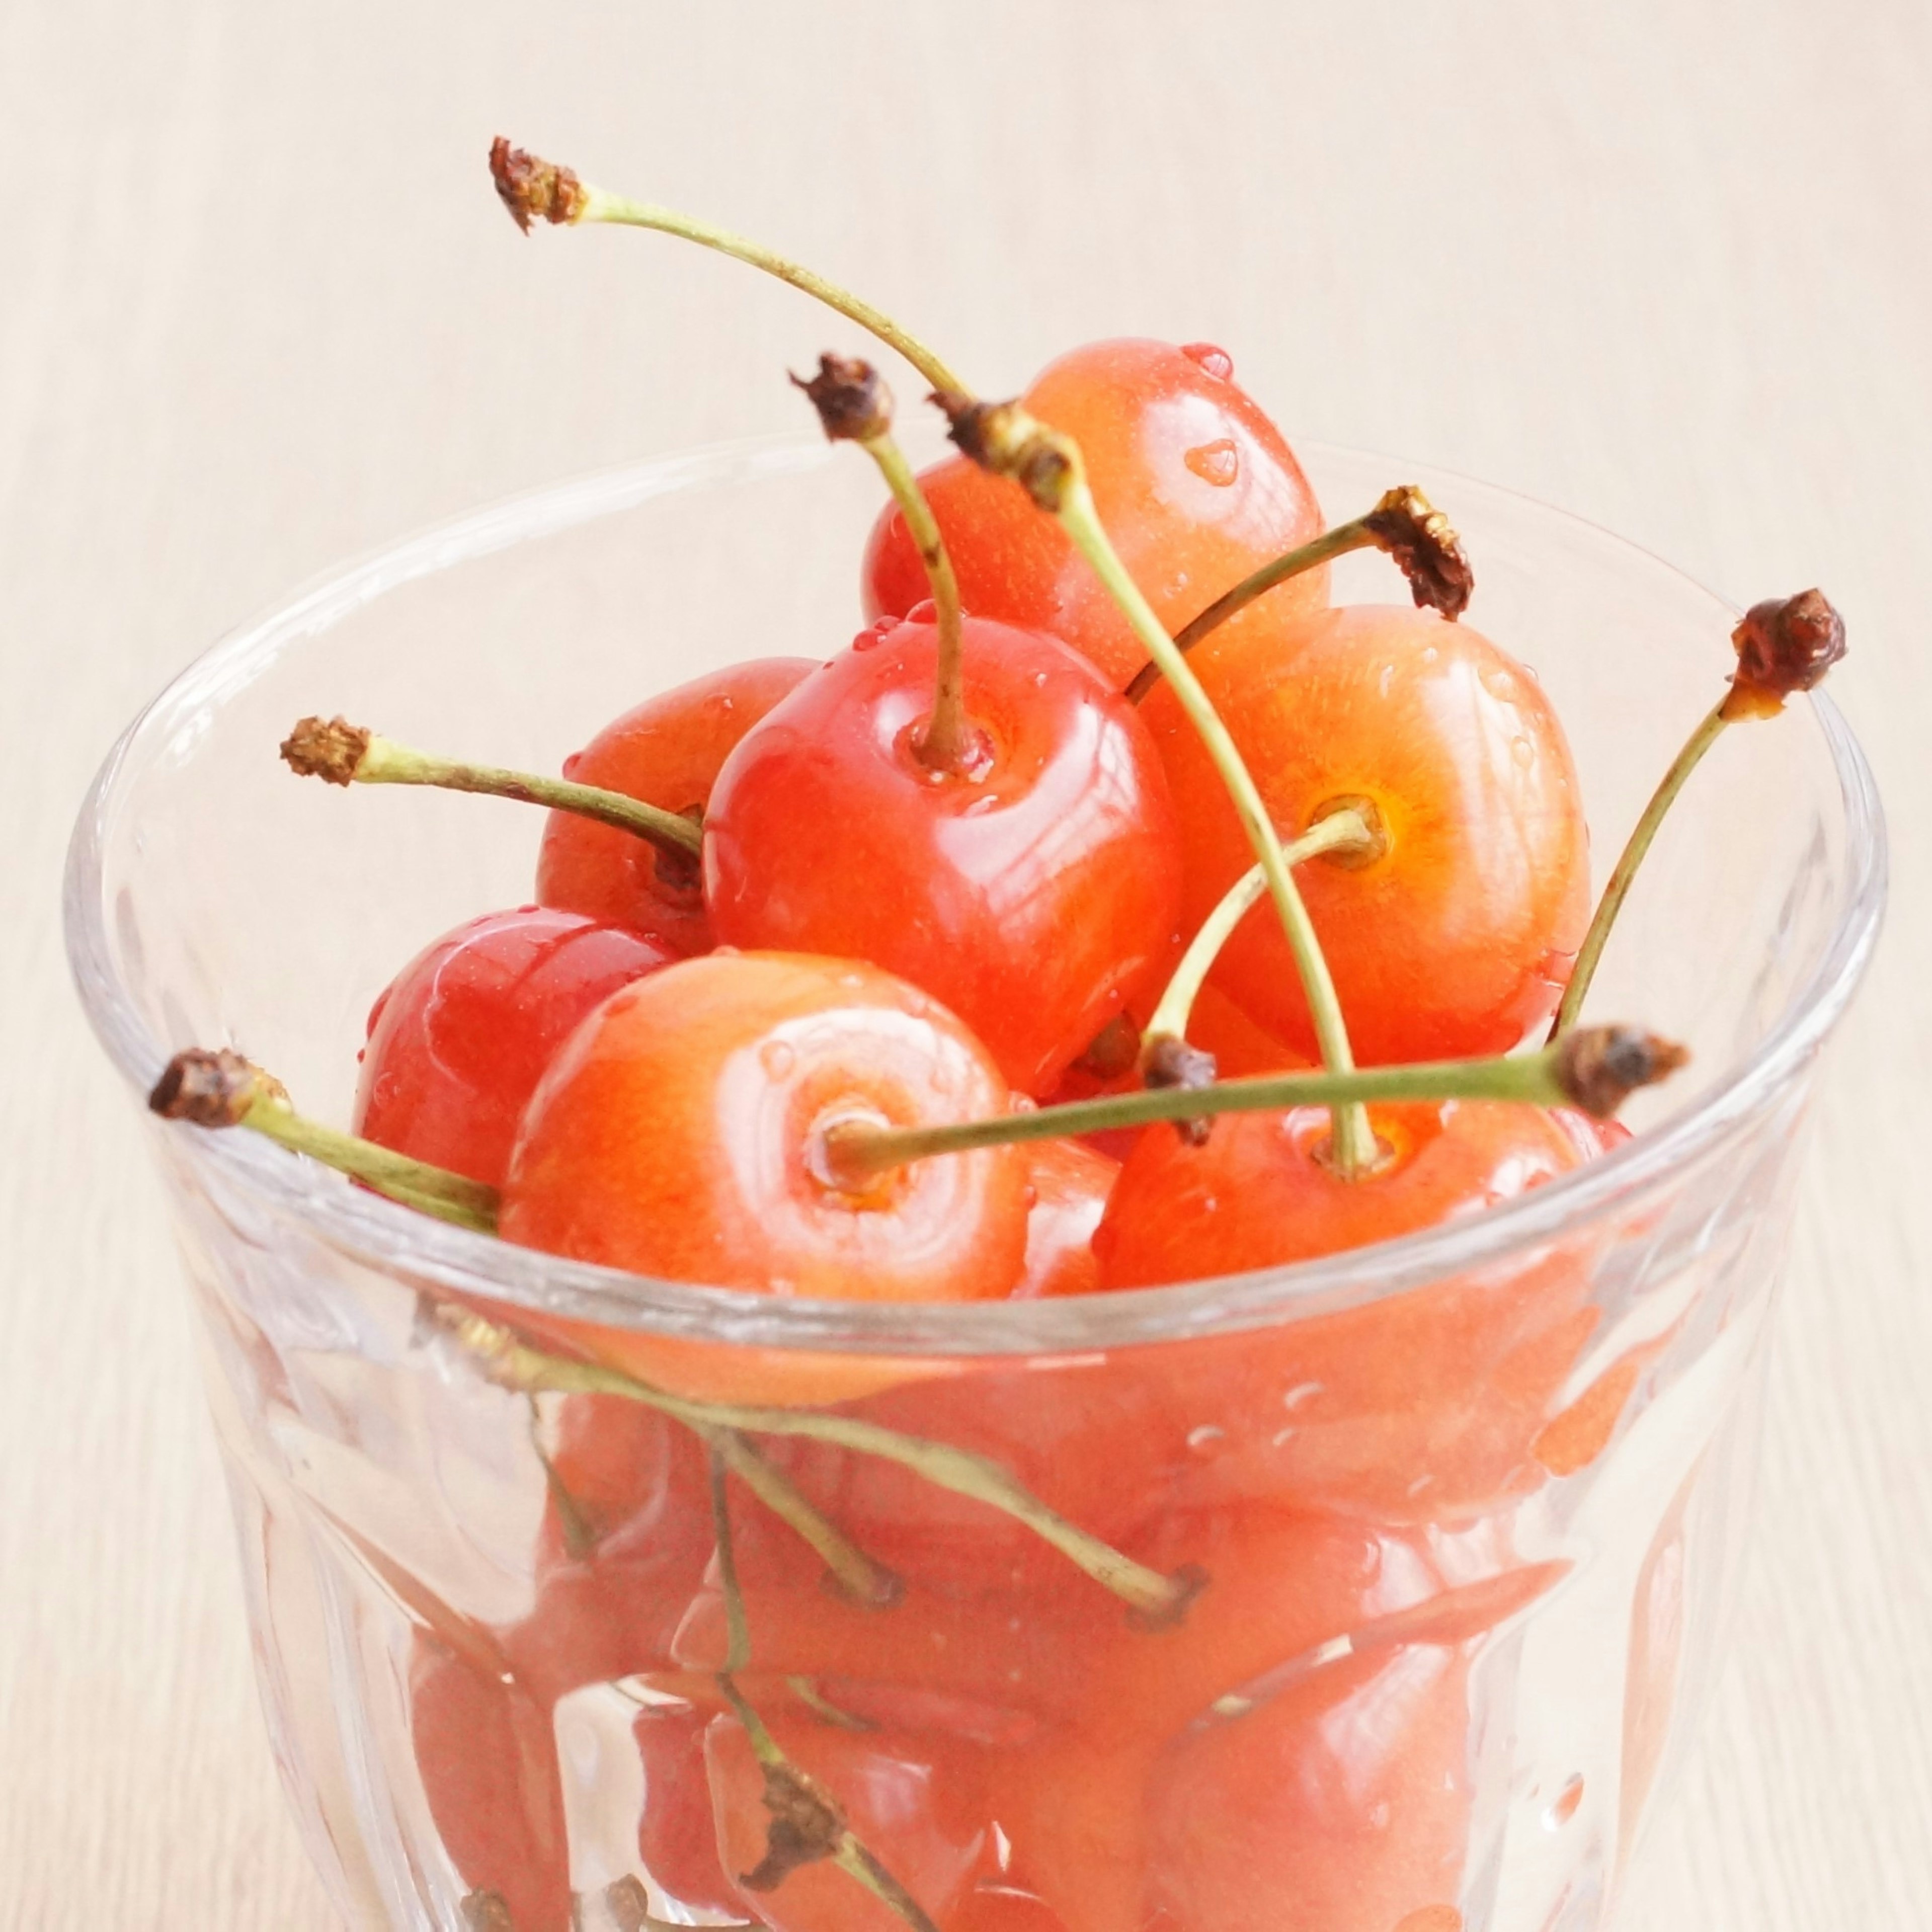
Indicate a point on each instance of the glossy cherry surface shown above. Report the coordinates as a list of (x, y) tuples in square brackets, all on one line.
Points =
[(666, 751), (458, 1041), (1070, 1182), (1033, 893), (1195, 484), (1458, 939), (677, 1135)]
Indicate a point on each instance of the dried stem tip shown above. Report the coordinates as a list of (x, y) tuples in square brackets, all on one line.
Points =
[(535, 189), (805, 1827), (211, 1090), (850, 396), (1003, 438), (1168, 1060), (1420, 537), (1599, 1067), (1785, 644), (331, 749)]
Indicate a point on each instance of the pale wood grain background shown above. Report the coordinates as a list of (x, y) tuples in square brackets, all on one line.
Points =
[(1668, 265)]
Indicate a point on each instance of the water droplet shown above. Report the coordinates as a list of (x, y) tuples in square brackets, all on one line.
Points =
[(1429, 654), (570, 763), (777, 1058), (1217, 362), (1218, 463), (926, 611), (866, 639), (1500, 683), (1040, 677), (1207, 1438), (1564, 1806), (1302, 1392), (1523, 751)]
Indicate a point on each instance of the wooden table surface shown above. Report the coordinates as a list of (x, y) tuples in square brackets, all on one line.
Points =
[(1669, 265)]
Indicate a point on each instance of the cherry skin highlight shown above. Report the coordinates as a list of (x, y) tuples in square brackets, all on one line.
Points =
[(1070, 1183), (667, 752), (678, 1135), (1458, 939), (1034, 892), (1195, 484), (460, 1039)]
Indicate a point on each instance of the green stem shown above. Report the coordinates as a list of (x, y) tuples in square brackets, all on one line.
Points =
[(1146, 1592), (1345, 829), (737, 1630), (858, 1151), (1686, 762), (946, 744), (579, 1539), (618, 210), (432, 1190), (1354, 1144), (863, 1578), (385, 762), (1331, 544)]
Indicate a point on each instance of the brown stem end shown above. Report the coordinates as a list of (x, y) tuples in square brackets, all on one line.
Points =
[(806, 1826), (1113, 1051), (1426, 549), (1188, 1583), (211, 1089), (1003, 438), (533, 189), (1785, 644), (329, 749), (1168, 1060), (850, 396), (486, 1912), (1599, 1067)]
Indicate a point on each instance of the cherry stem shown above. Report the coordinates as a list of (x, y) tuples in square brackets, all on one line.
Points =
[(1149, 1593), (1345, 830), (1572, 1072), (947, 743), (580, 1536), (1331, 544), (344, 754), (1354, 1144), (619, 211), (807, 1824), (1404, 523), (1686, 761)]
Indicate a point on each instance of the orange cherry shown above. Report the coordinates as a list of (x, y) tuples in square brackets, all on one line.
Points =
[(1456, 940)]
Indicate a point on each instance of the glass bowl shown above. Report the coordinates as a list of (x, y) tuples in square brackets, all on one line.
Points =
[(1463, 1511)]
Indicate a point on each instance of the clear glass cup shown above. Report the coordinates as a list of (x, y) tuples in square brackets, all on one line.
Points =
[(1464, 1510)]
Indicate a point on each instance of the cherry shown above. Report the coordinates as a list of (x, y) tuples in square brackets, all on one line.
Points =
[(895, 1793), (1192, 481), (677, 1836), (677, 1135), (1457, 938), (460, 1038), (1032, 892), (488, 1766), (1070, 1183), (666, 751), (1344, 1797)]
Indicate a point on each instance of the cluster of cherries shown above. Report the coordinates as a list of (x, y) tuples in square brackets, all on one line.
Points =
[(907, 976)]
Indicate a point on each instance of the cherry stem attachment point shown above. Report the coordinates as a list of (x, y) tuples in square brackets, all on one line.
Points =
[(1784, 646), (535, 190), (1592, 1068), (855, 405), (1003, 438), (1345, 830), (343, 754), (1404, 523)]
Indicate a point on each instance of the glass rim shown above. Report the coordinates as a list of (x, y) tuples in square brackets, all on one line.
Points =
[(381, 1234)]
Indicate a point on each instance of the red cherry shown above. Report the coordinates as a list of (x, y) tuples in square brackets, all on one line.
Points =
[(1194, 483), (1341, 1803), (459, 1040), (677, 1135), (894, 1791), (1459, 938), (1032, 894), (1421, 1406), (484, 1750), (1070, 1185), (666, 751), (677, 1836)]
